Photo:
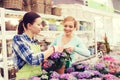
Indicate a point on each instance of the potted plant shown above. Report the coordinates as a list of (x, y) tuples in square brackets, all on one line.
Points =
[(57, 62)]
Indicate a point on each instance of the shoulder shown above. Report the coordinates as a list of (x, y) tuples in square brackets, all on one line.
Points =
[(59, 36), (17, 37), (77, 39)]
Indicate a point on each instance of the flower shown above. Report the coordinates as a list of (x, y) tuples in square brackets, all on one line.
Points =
[(55, 55), (99, 66), (80, 66), (110, 77), (85, 74), (67, 77), (54, 75), (108, 58), (70, 69), (74, 73), (48, 63), (56, 61), (95, 73)]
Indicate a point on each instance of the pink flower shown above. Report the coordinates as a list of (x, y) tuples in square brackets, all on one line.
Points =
[(108, 58), (110, 77)]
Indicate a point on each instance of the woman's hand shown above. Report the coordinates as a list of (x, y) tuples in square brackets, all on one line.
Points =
[(51, 50), (58, 48), (69, 49)]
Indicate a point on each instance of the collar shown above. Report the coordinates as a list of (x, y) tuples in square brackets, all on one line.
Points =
[(29, 39)]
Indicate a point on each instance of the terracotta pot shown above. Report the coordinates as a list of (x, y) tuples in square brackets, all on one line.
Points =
[(61, 70)]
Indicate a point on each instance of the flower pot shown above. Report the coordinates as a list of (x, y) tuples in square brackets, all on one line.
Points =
[(61, 70)]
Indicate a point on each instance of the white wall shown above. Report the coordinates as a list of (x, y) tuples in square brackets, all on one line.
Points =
[(116, 30)]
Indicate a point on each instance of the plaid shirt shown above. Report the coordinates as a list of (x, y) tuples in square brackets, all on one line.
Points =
[(22, 52)]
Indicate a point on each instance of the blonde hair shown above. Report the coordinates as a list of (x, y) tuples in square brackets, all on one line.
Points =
[(70, 18)]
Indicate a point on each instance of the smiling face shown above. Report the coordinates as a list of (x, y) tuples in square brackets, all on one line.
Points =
[(69, 24), (69, 27)]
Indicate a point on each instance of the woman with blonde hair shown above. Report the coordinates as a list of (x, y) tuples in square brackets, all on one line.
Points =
[(70, 41)]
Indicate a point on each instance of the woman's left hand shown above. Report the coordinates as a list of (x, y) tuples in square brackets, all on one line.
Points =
[(70, 49), (58, 48)]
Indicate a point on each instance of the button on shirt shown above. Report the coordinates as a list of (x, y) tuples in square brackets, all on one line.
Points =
[(22, 52)]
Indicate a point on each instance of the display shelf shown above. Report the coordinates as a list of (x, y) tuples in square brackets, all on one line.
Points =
[(4, 50), (56, 32), (19, 13), (9, 34)]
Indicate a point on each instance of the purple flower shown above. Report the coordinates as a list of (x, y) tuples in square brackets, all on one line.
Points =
[(99, 66), (64, 76), (55, 75), (55, 55), (80, 66), (70, 69), (80, 75), (74, 73), (67, 77), (95, 73), (56, 61), (85, 74)]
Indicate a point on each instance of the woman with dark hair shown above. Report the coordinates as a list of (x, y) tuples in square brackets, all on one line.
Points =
[(27, 56)]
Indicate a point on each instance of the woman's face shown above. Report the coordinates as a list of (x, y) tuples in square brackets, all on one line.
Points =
[(36, 26), (69, 27)]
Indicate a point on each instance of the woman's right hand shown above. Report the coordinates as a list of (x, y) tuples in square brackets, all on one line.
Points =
[(58, 48), (51, 50)]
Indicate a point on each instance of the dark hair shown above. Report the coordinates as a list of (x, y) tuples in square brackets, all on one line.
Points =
[(29, 17)]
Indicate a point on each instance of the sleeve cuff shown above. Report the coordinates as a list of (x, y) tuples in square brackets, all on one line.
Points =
[(42, 57)]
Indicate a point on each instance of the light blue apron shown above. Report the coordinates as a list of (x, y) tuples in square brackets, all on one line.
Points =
[(27, 71)]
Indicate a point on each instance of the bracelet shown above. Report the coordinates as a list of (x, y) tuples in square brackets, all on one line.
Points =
[(53, 49)]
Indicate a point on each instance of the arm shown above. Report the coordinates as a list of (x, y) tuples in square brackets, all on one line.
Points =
[(54, 43), (23, 50)]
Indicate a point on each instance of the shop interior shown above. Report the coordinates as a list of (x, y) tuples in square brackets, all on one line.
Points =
[(98, 24)]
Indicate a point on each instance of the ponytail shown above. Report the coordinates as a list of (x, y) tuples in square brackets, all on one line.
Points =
[(20, 27), (27, 18)]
